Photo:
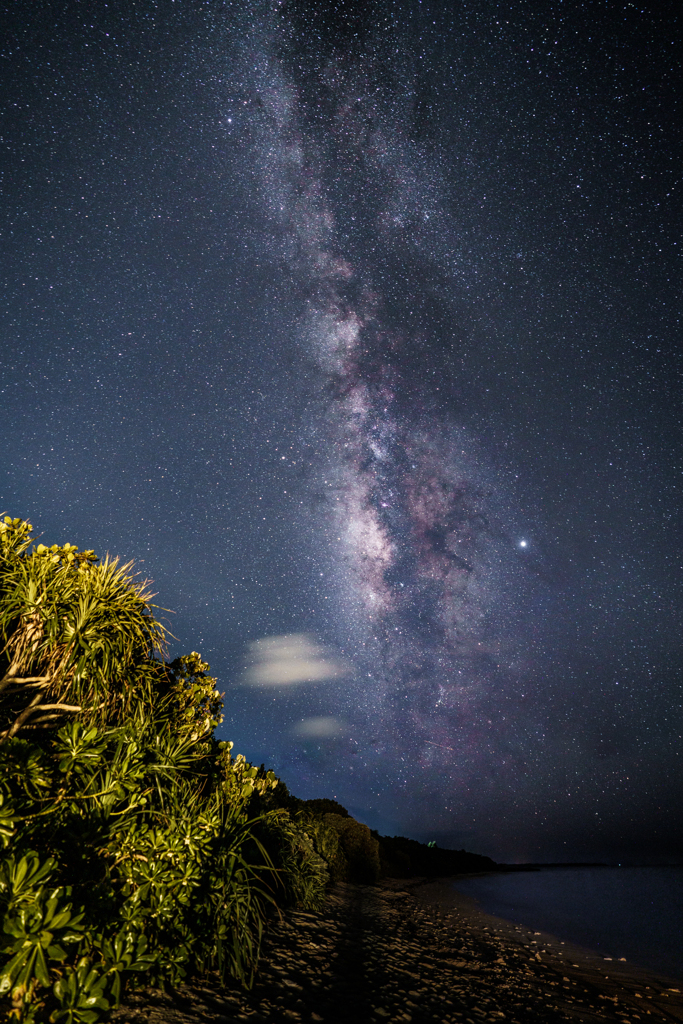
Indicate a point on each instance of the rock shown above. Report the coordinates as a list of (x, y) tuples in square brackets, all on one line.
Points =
[(366, 958)]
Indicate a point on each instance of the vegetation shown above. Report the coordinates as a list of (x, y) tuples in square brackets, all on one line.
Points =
[(406, 858), (135, 846)]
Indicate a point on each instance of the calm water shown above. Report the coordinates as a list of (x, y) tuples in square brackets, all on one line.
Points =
[(636, 913)]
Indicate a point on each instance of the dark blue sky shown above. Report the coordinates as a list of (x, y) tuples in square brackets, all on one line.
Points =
[(358, 328)]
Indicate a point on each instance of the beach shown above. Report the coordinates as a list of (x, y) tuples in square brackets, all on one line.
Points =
[(416, 951)]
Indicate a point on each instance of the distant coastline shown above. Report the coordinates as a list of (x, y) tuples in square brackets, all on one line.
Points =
[(539, 865)]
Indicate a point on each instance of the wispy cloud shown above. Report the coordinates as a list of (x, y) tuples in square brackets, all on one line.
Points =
[(292, 659), (319, 728)]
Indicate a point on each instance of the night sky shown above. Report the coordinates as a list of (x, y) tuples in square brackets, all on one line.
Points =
[(358, 328)]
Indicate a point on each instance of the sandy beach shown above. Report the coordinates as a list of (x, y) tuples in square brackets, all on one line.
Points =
[(417, 951)]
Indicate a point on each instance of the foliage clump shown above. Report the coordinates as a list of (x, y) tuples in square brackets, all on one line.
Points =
[(359, 847), (405, 858), (323, 805), (133, 845), (74, 635)]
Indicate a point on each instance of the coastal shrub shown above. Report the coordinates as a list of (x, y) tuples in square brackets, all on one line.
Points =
[(76, 637), (360, 849), (127, 845), (130, 860), (327, 844), (294, 844), (303, 847), (305, 816), (321, 806)]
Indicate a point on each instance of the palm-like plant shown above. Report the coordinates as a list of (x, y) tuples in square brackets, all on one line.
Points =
[(115, 797), (75, 635), (132, 842)]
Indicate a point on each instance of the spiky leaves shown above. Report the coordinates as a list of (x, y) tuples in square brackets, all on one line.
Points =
[(129, 851), (77, 637), (133, 844)]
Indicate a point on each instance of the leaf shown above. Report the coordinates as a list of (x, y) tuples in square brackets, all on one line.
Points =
[(41, 969), (56, 952)]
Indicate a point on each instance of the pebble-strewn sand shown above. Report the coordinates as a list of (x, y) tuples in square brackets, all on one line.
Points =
[(417, 951)]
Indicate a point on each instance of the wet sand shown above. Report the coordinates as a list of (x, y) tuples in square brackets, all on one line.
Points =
[(417, 951)]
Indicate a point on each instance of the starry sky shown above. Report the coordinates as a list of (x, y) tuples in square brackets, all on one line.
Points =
[(358, 327)]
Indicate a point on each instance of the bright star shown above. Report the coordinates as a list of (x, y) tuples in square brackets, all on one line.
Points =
[(522, 543)]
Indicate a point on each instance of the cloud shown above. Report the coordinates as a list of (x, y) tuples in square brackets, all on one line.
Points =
[(291, 659), (319, 728)]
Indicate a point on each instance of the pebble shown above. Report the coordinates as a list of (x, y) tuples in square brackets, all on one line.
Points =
[(382, 955)]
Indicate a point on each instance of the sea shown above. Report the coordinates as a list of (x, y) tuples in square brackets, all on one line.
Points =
[(631, 912)]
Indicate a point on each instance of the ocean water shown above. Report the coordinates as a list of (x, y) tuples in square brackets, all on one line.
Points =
[(636, 913)]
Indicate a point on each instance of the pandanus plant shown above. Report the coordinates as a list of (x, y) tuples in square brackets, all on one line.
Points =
[(127, 847), (74, 634)]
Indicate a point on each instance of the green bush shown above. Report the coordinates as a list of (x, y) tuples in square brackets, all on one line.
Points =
[(359, 847), (138, 856), (301, 845), (323, 806), (293, 845), (128, 848)]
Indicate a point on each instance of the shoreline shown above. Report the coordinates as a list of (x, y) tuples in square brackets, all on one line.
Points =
[(635, 934), (444, 892), (416, 950), (592, 964)]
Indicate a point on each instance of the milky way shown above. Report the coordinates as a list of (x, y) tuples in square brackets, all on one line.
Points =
[(422, 558)]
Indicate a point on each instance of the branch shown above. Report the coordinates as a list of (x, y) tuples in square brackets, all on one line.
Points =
[(9, 676), (30, 681), (21, 718), (37, 723), (60, 707), (21, 721), (12, 679)]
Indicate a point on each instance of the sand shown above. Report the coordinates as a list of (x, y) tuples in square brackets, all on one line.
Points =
[(417, 951)]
